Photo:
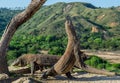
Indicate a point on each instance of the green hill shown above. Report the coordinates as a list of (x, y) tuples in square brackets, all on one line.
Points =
[(86, 17), (50, 19)]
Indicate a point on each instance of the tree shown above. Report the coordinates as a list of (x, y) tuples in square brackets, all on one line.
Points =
[(12, 27)]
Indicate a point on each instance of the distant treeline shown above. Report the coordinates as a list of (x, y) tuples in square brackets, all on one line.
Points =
[(5, 16), (56, 45)]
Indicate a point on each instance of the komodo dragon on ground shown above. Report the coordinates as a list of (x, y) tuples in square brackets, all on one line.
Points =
[(36, 61)]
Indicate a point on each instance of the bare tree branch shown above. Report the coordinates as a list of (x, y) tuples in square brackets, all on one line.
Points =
[(12, 27)]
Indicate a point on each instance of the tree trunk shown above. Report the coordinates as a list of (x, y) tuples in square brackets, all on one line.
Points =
[(12, 27)]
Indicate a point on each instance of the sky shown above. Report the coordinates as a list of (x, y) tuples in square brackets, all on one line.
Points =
[(24, 3)]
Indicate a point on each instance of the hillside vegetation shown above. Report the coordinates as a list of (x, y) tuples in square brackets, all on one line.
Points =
[(5, 17), (97, 29), (86, 18)]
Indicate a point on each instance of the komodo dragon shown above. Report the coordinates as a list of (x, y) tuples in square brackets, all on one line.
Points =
[(36, 61)]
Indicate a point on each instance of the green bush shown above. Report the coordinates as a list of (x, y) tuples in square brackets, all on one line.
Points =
[(116, 65), (11, 55), (88, 62), (99, 63), (101, 66), (56, 51), (95, 61), (108, 65)]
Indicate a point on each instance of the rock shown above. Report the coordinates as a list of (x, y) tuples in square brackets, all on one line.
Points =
[(19, 70), (3, 76), (67, 8), (95, 29), (20, 80), (26, 80)]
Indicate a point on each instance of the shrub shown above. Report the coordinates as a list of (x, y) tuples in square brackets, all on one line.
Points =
[(101, 66), (116, 65)]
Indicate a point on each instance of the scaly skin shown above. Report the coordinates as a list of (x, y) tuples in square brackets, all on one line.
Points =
[(36, 61), (67, 61)]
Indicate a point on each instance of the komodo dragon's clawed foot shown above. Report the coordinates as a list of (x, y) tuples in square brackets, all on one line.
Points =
[(44, 76), (70, 76)]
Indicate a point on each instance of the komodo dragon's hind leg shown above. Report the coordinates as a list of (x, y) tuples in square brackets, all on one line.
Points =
[(68, 74), (51, 72)]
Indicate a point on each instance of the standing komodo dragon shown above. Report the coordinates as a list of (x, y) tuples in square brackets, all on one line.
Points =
[(68, 59), (71, 56), (36, 61)]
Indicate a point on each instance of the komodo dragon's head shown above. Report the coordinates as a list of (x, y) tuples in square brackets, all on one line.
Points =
[(18, 62)]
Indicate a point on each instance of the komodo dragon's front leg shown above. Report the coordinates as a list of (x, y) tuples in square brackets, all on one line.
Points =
[(68, 74), (32, 65), (78, 56), (53, 73)]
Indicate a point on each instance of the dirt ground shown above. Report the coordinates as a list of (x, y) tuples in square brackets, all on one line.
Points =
[(85, 78), (81, 77), (113, 57)]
